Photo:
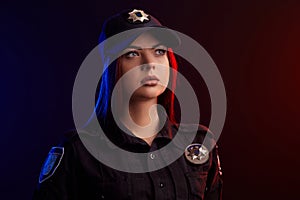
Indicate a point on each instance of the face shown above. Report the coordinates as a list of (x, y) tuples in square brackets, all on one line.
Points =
[(144, 66)]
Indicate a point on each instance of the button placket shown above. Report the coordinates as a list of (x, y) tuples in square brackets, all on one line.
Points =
[(152, 156), (161, 185)]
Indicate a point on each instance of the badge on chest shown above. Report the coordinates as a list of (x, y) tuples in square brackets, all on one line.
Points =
[(196, 153)]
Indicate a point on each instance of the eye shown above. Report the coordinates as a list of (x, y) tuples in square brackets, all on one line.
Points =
[(131, 54), (160, 51)]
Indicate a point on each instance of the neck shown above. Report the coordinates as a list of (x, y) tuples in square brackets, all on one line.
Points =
[(142, 119), (143, 112)]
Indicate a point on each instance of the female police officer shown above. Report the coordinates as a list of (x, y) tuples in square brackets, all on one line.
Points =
[(144, 66)]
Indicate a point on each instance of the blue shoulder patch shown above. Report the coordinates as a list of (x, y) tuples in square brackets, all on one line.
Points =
[(51, 163)]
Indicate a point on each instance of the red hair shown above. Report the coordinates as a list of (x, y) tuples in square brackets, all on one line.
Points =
[(174, 65)]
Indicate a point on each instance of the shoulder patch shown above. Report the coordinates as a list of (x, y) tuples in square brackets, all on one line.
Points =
[(51, 163)]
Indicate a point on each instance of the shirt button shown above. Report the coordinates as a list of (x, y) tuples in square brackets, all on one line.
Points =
[(152, 156), (161, 185)]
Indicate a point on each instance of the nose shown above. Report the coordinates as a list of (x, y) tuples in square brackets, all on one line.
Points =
[(148, 66), (148, 61)]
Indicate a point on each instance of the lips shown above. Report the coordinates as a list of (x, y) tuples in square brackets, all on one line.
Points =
[(150, 80)]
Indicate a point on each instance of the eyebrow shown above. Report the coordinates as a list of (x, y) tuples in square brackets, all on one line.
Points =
[(140, 48)]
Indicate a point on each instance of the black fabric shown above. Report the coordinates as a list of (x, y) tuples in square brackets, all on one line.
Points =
[(119, 23), (82, 177)]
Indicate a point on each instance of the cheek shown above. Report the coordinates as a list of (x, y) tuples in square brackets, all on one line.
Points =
[(127, 72), (127, 79), (126, 65), (163, 73), (166, 78), (130, 81)]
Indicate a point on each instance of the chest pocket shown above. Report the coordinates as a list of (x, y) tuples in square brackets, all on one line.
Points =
[(197, 184)]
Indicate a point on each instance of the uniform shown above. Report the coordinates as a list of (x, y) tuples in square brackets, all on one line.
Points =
[(72, 171), (78, 175)]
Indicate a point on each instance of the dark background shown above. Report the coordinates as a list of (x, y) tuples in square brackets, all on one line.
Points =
[(255, 45)]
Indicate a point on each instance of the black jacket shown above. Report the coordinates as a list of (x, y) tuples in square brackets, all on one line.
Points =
[(72, 172)]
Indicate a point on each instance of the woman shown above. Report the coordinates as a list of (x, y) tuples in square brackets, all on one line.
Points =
[(144, 68)]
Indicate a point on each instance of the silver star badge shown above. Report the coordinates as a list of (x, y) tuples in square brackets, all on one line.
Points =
[(196, 153), (138, 15)]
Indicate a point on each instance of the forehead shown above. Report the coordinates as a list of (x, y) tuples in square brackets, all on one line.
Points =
[(145, 40)]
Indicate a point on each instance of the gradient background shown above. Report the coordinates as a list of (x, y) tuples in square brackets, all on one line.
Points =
[(254, 43)]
